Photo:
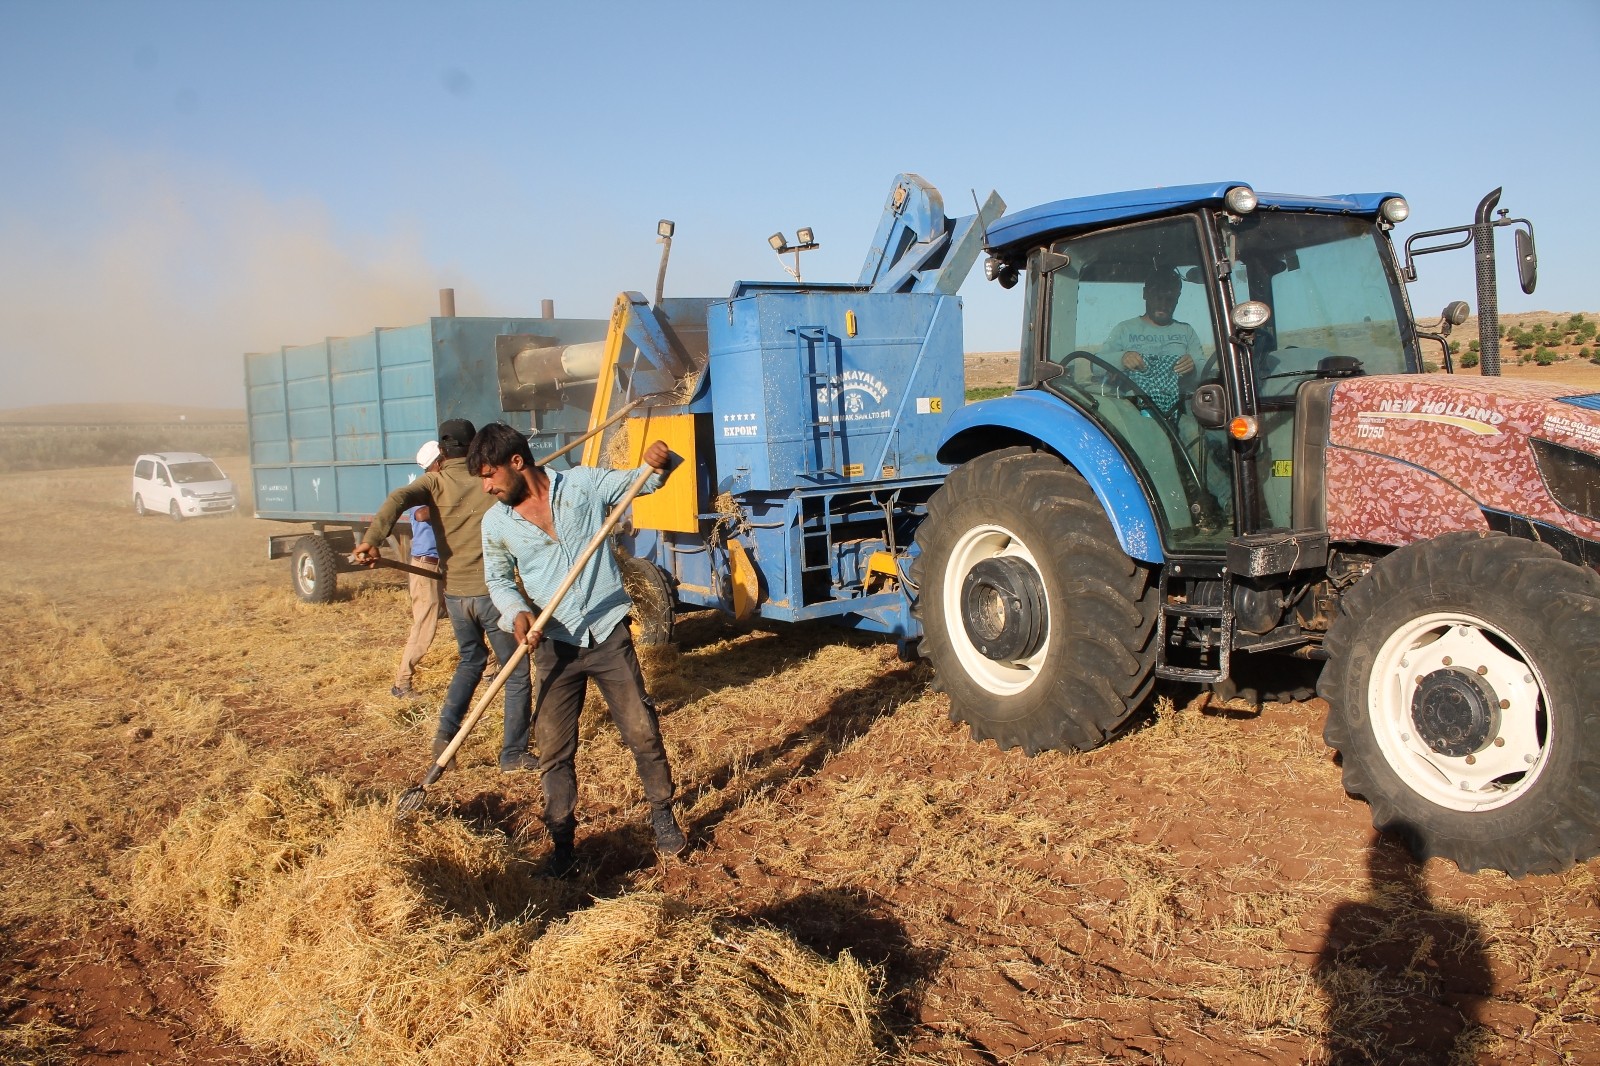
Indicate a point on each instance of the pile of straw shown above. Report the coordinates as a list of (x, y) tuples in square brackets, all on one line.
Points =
[(344, 936)]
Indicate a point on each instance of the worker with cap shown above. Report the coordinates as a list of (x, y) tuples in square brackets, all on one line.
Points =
[(1155, 350), (459, 503), (427, 595)]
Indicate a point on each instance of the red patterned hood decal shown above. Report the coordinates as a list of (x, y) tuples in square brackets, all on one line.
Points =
[(1415, 456)]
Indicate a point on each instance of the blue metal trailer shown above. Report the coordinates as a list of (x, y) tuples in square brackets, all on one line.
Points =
[(335, 426)]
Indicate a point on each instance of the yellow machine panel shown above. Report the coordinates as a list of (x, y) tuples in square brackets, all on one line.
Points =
[(675, 506)]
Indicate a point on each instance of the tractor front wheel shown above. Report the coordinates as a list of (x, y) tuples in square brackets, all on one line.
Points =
[(1463, 683), (1039, 627)]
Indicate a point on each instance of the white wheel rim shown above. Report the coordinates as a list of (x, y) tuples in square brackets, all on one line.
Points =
[(1505, 767), (307, 574), (1002, 678)]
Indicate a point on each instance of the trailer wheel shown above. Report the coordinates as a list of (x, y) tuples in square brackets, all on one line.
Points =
[(647, 587), (1036, 622), (313, 569), (1464, 696)]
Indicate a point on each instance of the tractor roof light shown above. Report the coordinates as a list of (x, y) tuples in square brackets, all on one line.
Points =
[(1241, 199), (996, 269), (1251, 314), (1395, 209), (1243, 427)]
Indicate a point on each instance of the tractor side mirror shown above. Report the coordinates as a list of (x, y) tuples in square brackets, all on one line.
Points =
[(1209, 405), (1527, 261)]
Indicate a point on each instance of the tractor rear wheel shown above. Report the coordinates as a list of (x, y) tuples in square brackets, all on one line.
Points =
[(1464, 699), (1037, 624)]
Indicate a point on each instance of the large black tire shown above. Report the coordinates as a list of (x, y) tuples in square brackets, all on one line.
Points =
[(1037, 624), (313, 569), (647, 587), (1463, 683)]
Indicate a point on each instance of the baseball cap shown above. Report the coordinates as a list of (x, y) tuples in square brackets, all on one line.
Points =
[(427, 454), (455, 434)]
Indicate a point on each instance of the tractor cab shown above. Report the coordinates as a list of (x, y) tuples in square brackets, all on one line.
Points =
[(1184, 322)]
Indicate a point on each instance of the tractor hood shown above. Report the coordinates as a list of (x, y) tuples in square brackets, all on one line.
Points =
[(1410, 457)]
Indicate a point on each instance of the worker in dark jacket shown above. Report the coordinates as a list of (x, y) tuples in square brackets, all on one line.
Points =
[(459, 504)]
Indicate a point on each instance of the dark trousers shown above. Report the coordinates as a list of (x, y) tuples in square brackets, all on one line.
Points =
[(564, 671), (475, 619)]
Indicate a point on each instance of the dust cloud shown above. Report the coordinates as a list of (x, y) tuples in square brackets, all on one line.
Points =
[(144, 284)]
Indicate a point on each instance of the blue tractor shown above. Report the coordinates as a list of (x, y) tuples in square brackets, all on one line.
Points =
[(1227, 464)]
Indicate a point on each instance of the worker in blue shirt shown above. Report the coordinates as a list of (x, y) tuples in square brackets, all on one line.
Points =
[(540, 525), (427, 593)]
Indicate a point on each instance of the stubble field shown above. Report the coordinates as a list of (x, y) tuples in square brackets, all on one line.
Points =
[(201, 863)]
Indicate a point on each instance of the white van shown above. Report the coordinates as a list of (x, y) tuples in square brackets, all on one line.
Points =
[(180, 484)]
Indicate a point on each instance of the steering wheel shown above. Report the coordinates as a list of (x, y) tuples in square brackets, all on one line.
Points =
[(1141, 399), (1203, 507)]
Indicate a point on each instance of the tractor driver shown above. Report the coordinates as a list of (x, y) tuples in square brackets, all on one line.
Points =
[(1155, 350)]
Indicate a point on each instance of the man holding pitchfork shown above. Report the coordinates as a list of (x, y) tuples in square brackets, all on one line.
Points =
[(537, 530)]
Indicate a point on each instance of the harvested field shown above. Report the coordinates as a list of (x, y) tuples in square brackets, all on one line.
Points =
[(201, 865)]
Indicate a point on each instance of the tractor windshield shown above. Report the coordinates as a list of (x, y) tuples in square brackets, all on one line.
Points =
[(1333, 293)]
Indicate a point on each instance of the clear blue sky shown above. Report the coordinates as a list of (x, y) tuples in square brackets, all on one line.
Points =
[(185, 181)]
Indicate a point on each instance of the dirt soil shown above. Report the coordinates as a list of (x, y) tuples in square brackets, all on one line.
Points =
[(1200, 890)]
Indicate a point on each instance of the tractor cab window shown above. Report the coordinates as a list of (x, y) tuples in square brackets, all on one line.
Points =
[(1336, 306), (1337, 311), (1130, 325)]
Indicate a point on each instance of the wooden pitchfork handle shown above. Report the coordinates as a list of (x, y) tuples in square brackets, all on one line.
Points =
[(407, 567), (467, 725)]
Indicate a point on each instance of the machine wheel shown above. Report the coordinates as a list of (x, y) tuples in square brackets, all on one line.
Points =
[(1036, 622), (313, 569), (138, 505), (647, 587), (1464, 697), (172, 509)]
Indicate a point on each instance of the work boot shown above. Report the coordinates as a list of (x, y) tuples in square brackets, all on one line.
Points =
[(669, 835), (523, 760), (439, 744), (563, 858)]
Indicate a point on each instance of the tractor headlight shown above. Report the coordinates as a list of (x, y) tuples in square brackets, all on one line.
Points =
[(1241, 199), (1250, 314), (995, 269), (1395, 209)]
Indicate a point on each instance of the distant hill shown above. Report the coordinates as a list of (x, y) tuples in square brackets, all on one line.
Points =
[(117, 414)]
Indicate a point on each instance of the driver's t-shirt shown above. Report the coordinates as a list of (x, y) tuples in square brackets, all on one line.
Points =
[(1161, 347)]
